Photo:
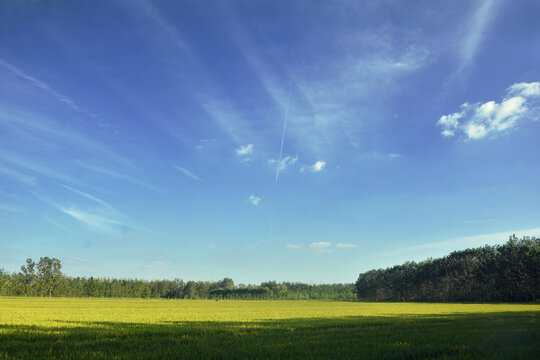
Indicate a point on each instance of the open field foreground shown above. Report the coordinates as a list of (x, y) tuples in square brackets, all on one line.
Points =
[(158, 329)]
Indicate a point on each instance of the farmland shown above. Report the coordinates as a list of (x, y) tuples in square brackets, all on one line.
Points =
[(134, 328)]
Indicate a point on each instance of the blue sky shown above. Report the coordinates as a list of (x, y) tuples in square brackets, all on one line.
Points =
[(265, 140)]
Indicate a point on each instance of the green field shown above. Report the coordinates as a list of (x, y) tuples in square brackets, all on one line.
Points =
[(162, 329)]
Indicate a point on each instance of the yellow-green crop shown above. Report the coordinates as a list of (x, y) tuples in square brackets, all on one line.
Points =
[(133, 328)]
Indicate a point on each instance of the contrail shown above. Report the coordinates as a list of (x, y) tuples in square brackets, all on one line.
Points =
[(283, 134), (281, 154)]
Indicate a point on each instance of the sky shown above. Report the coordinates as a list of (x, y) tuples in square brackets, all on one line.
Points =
[(265, 140)]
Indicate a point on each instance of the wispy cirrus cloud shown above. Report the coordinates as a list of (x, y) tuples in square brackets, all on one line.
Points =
[(88, 196), (226, 117), (18, 176), (329, 103), (40, 131), (480, 120), (102, 218), (187, 173), (475, 240), (96, 221), (40, 84), (33, 168), (11, 208), (118, 175), (475, 32), (57, 224)]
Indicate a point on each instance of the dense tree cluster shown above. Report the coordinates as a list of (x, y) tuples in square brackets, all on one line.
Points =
[(45, 279), (510, 273)]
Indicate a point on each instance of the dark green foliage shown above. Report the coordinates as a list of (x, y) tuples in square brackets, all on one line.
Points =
[(513, 335), (49, 281), (510, 273)]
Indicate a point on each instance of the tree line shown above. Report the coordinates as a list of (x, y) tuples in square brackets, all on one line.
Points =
[(45, 278), (500, 273)]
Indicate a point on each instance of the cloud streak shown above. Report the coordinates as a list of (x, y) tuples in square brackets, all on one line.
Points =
[(39, 130), (45, 87), (476, 240), (19, 177), (476, 32), (32, 167), (117, 175), (187, 173), (88, 196)]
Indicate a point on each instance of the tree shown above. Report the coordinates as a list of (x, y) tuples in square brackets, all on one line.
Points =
[(4, 278), (280, 290), (190, 290), (226, 283), (28, 276), (49, 275)]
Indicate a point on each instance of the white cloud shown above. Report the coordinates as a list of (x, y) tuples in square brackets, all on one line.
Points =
[(525, 89), (293, 246), (245, 149), (476, 121), (319, 245), (450, 123), (187, 173), (345, 245), (254, 200), (318, 166), (284, 163), (393, 156)]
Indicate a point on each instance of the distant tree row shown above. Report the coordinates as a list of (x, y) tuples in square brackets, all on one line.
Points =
[(509, 273), (45, 278)]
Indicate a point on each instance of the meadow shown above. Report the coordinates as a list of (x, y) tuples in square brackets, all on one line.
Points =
[(70, 328)]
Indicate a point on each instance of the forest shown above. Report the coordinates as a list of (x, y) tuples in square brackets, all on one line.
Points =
[(500, 273), (45, 278)]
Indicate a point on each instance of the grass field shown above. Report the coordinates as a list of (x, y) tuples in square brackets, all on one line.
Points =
[(36, 328)]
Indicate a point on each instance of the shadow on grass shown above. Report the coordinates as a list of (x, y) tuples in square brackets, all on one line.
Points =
[(490, 335)]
